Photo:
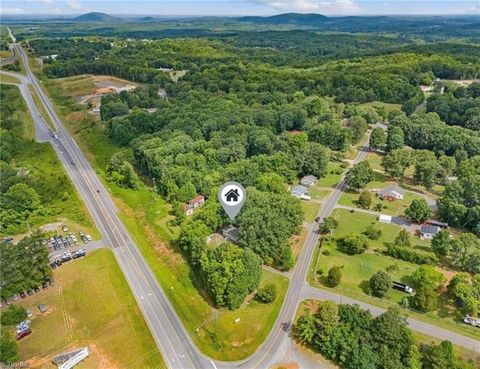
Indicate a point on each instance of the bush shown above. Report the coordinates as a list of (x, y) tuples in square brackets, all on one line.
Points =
[(372, 232), (267, 294), (334, 276), (353, 244), (13, 315), (329, 224), (380, 283), (403, 238), (410, 255)]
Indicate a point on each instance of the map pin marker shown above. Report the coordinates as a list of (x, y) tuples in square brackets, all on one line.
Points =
[(232, 195)]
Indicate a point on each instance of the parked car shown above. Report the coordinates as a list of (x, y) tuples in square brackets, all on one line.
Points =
[(36, 289), (65, 229), (29, 314), (402, 287), (23, 333), (42, 308), (29, 292), (16, 297), (44, 285), (23, 294), (89, 238), (475, 322)]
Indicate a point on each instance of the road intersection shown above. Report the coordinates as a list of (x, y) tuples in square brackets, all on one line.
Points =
[(174, 342)]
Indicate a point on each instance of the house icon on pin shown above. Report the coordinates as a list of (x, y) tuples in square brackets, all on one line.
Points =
[(232, 195)]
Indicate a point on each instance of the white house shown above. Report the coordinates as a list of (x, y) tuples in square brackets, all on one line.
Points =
[(427, 232)]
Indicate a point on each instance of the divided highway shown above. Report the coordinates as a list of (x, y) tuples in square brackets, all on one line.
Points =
[(174, 342)]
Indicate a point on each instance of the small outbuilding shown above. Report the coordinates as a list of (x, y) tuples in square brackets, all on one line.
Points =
[(384, 218)]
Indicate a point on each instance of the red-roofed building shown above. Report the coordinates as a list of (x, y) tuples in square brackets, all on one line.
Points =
[(197, 201)]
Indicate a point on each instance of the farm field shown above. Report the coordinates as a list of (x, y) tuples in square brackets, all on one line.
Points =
[(82, 311)]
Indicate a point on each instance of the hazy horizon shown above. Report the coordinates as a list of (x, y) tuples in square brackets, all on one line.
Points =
[(226, 8)]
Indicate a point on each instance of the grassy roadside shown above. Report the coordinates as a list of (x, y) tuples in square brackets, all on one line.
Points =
[(81, 312), (145, 215), (4, 78), (41, 107)]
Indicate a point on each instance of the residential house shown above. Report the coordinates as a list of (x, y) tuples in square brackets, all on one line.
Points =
[(197, 201), (308, 181), (392, 193), (301, 192), (427, 232), (194, 203)]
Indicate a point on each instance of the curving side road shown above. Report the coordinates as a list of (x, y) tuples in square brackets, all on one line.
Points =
[(171, 337)]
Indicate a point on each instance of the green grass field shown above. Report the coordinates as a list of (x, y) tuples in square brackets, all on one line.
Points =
[(331, 179), (41, 107), (310, 209), (387, 106), (357, 270), (90, 304)]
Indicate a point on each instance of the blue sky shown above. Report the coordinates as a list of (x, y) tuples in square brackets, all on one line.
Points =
[(240, 7)]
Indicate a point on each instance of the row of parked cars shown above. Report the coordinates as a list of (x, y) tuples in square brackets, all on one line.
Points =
[(67, 256), (59, 242), (29, 292)]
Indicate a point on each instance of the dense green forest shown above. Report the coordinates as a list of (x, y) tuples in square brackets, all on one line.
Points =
[(265, 109), (352, 338)]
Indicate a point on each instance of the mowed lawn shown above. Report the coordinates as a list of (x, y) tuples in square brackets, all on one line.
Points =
[(90, 304), (310, 209), (350, 198), (357, 269)]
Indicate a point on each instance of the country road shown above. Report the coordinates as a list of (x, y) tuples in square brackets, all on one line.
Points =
[(174, 342)]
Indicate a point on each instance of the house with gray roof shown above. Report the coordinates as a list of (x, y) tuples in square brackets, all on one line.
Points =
[(308, 181), (392, 193), (427, 232)]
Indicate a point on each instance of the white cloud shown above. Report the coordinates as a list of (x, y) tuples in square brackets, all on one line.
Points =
[(74, 5), (11, 11), (57, 11), (314, 6)]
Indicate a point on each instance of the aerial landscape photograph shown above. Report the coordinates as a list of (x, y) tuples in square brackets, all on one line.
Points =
[(240, 184)]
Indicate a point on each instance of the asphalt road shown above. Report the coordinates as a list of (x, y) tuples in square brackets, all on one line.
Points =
[(171, 337), (174, 342)]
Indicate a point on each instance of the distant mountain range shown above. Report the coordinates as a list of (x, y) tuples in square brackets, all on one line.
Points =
[(96, 17), (298, 19)]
